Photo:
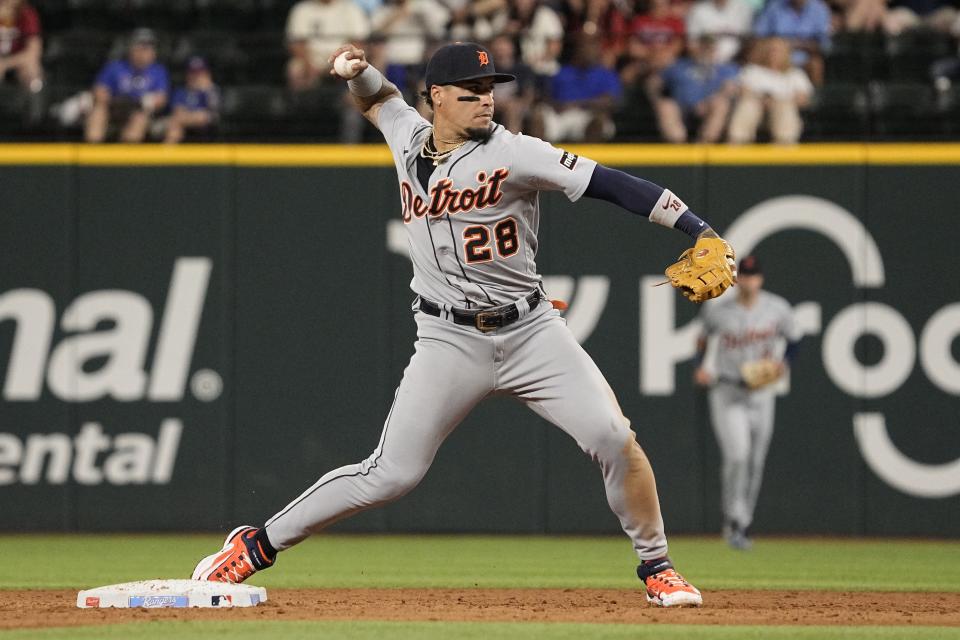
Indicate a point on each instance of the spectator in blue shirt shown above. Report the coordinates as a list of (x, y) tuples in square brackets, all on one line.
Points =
[(694, 89), (129, 91), (806, 24), (195, 106), (582, 97)]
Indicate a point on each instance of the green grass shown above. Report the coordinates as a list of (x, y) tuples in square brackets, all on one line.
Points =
[(164, 630), (84, 561)]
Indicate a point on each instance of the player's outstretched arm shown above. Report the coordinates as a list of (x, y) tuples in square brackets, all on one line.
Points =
[(646, 199), (702, 273), (369, 88), (701, 377)]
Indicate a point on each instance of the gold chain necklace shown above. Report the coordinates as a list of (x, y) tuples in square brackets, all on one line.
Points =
[(429, 151)]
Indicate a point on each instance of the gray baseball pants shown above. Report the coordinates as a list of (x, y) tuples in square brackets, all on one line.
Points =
[(537, 361), (743, 424)]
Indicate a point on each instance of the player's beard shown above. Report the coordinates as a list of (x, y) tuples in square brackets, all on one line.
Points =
[(479, 134)]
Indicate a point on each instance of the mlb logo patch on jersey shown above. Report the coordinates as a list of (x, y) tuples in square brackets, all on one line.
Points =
[(569, 160)]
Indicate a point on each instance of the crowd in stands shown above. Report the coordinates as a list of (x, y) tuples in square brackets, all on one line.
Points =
[(714, 71)]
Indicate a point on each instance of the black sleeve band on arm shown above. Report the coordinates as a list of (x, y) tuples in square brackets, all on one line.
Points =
[(790, 354), (690, 224), (699, 357)]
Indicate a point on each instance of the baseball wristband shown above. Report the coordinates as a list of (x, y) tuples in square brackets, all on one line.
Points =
[(366, 83)]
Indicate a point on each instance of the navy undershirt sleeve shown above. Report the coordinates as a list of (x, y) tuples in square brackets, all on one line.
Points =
[(790, 354), (632, 193), (636, 195)]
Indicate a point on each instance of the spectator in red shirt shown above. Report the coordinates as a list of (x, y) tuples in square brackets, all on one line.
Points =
[(656, 40), (607, 19), (20, 44)]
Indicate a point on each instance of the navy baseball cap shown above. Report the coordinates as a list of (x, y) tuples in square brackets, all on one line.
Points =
[(462, 61), (197, 63), (143, 36), (749, 266)]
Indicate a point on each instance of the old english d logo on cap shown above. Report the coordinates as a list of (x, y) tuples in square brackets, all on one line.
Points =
[(462, 61)]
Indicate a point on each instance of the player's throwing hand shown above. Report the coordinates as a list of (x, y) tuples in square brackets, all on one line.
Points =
[(347, 62)]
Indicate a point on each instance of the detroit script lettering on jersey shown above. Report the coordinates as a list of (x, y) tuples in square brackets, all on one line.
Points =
[(748, 333), (445, 199), (748, 337), (472, 233)]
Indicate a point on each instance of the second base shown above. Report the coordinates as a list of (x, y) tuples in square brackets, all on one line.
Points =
[(155, 594)]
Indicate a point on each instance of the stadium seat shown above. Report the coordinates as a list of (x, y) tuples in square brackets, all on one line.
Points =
[(847, 67), (123, 15), (315, 114), (12, 100), (855, 57), (635, 119), (219, 48), (948, 110), (837, 111), (253, 102), (911, 53), (273, 13), (88, 43), (54, 14), (165, 45), (254, 112), (74, 57), (14, 110), (902, 111), (265, 58), (91, 14), (233, 15)]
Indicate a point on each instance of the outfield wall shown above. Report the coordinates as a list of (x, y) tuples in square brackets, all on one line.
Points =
[(191, 336)]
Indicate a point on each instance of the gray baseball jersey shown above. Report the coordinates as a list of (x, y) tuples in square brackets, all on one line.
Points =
[(743, 420), (473, 242), (473, 234), (747, 334)]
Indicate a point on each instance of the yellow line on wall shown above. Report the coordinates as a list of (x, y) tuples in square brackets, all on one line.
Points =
[(812, 154), (122, 155), (330, 155), (642, 154), (31, 154), (378, 155), (912, 153)]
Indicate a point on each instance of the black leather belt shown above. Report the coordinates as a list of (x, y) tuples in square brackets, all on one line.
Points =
[(736, 382), (483, 319)]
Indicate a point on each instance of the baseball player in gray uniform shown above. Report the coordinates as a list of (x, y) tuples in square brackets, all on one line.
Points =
[(469, 201), (750, 330)]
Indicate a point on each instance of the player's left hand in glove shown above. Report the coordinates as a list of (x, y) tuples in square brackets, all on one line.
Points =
[(759, 373), (706, 270)]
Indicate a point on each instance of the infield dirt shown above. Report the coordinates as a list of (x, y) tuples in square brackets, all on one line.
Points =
[(57, 608)]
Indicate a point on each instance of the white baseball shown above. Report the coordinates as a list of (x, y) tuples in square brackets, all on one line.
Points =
[(346, 67)]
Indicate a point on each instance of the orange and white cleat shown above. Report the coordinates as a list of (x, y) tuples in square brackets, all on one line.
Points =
[(242, 556), (666, 587)]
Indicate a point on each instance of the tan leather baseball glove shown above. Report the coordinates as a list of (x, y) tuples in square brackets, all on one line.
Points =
[(706, 270), (760, 373)]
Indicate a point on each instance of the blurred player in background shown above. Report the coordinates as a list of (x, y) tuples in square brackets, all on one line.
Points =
[(749, 329)]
